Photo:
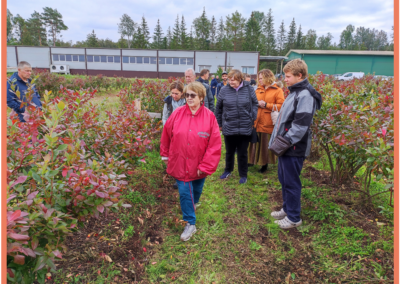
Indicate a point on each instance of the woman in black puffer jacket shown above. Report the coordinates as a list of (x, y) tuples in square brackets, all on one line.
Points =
[(236, 112)]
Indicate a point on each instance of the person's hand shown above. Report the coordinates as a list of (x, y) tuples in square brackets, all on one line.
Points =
[(261, 104), (199, 173)]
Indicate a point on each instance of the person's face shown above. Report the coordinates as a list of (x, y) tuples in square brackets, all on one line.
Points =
[(234, 83), (25, 73), (192, 99), (248, 79), (225, 77), (217, 77), (176, 94), (206, 76), (189, 77), (290, 79), (260, 80)]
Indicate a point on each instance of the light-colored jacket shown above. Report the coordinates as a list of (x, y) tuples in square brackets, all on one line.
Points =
[(175, 105)]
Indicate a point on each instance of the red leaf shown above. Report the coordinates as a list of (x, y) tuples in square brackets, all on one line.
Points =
[(20, 179), (18, 237), (32, 195), (64, 172), (57, 253), (14, 216), (10, 272), (80, 197), (100, 208), (19, 259), (144, 249), (99, 194)]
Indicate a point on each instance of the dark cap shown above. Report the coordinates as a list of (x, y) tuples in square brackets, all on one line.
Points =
[(226, 73)]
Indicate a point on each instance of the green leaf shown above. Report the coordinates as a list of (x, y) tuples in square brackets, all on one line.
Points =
[(62, 147), (36, 177), (52, 173)]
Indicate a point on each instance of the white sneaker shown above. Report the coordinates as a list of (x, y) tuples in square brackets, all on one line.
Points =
[(285, 223), (279, 215), (188, 232)]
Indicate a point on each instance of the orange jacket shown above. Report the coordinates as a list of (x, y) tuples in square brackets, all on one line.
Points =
[(272, 95)]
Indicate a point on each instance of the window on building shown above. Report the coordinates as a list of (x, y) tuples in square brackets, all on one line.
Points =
[(110, 59), (168, 60), (103, 58), (146, 60), (161, 60), (81, 58), (96, 58), (201, 67), (55, 57), (74, 57), (153, 60), (189, 61), (133, 59), (139, 60), (117, 59), (175, 61), (248, 70), (62, 57), (68, 57), (89, 58), (182, 61), (125, 59)]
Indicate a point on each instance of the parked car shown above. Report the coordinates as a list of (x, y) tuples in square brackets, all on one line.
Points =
[(336, 75), (350, 76), (382, 77)]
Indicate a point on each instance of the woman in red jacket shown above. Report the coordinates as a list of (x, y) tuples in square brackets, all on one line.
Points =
[(191, 147)]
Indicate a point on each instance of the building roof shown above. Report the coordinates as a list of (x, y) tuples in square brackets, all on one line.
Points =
[(272, 58), (342, 52)]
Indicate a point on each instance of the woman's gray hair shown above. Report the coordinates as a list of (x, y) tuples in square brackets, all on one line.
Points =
[(191, 70), (23, 64)]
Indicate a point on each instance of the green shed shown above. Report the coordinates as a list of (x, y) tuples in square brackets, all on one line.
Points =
[(342, 61)]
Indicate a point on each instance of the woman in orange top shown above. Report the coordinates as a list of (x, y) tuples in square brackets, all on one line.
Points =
[(268, 94)]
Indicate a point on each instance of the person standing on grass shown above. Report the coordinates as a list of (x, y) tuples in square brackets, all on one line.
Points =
[(174, 100), (214, 84), (191, 148), (21, 81), (224, 82), (293, 124), (204, 75), (270, 97), (236, 112), (190, 76)]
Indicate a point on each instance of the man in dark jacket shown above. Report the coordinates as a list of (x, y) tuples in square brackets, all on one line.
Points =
[(223, 83), (214, 84), (20, 81), (190, 76), (293, 124), (204, 75), (236, 112)]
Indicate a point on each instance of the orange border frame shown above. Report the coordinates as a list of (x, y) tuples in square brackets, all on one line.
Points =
[(396, 141), (4, 142)]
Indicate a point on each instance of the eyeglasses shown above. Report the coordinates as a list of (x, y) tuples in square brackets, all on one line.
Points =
[(190, 95)]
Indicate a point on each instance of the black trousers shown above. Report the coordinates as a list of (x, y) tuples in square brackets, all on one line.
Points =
[(239, 143)]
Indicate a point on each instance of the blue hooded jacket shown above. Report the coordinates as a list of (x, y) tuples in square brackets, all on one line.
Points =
[(214, 84), (12, 100)]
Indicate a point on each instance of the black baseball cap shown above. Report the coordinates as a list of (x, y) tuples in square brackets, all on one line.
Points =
[(226, 73)]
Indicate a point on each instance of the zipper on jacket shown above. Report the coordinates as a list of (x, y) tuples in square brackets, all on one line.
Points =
[(237, 107)]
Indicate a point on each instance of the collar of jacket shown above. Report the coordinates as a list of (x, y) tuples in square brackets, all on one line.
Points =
[(299, 86), (188, 110), (15, 75), (245, 83), (263, 88)]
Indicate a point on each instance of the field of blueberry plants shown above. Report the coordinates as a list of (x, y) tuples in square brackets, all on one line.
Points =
[(89, 200)]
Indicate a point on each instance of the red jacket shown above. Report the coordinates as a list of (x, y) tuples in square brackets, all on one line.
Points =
[(191, 142)]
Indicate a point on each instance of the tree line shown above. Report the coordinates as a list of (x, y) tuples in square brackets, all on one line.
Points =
[(232, 33)]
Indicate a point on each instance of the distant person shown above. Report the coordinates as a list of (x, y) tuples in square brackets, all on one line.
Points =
[(251, 81), (174, 100), (218, 80), (204, 75), (190, 76), (293, 125), (22, 81), (214, 84), (191, 148), (270, 97), (236, 112), (223, 83)]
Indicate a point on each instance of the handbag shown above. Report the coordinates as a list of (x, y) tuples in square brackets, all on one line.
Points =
[(274, 114), (253, 135)]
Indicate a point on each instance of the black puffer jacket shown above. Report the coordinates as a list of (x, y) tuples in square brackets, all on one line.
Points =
[(233, 111)]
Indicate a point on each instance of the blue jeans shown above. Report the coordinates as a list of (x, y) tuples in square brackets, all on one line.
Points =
[(289, 169), (189, 194)]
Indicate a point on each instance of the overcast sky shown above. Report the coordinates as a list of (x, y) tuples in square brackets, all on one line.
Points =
[(324, 16)]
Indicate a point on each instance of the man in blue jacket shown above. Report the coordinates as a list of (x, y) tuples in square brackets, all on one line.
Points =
[(21, 81), (214, 84)]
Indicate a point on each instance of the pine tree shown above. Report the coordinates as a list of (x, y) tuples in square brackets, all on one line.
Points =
[(37, 29), (142, 36), (183, 35), (311, 39), (291, 37), (220, 36), (324, 42), (127, 28), (190, 44), (235, 27), (53, 19), (202, 31), (176, 34), (91, 40), (10, 24), (299, 38), (169, 37), (158, 36), (213, 32), (252, 35), (20, 29), (281, 38), (269, 32)]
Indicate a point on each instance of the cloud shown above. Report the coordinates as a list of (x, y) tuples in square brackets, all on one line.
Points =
[(102, 16)]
